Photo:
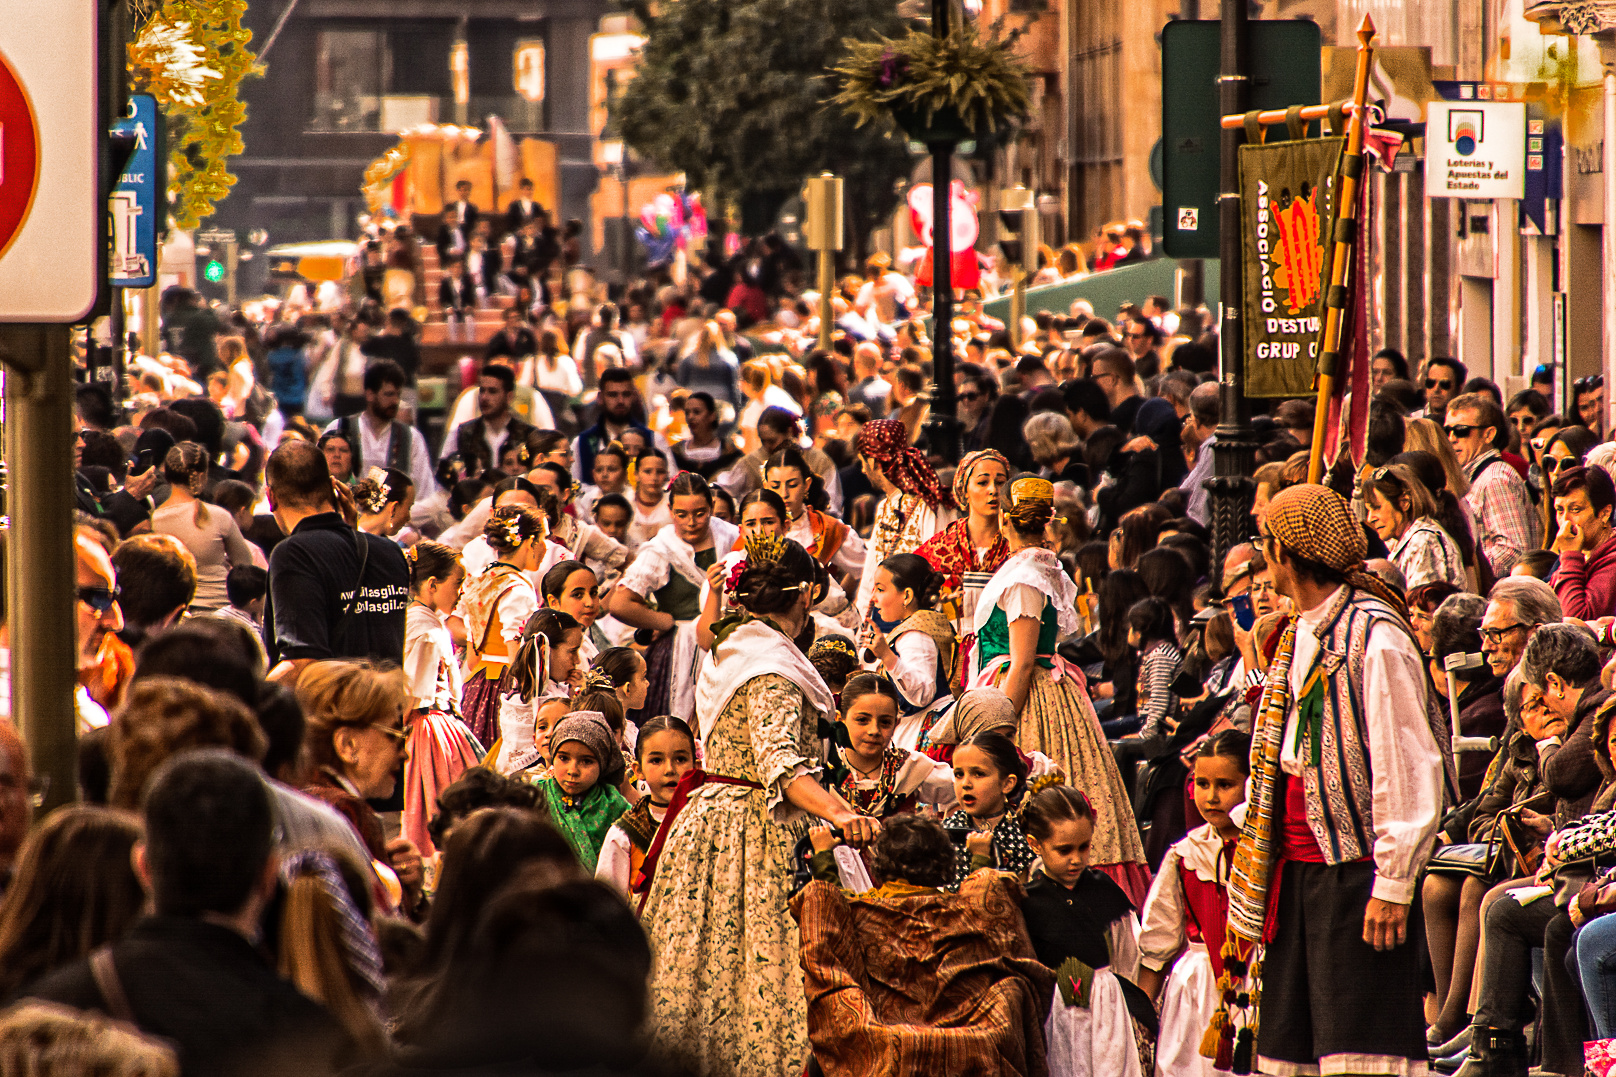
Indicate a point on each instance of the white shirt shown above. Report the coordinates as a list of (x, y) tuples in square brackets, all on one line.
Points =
[(1406, 781), (430, 669), (645, 525), (616, 854), (849, 557)]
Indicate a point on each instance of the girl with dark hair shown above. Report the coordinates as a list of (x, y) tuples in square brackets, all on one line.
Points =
[(671, 568), (1152, 634), (545, 667), (440, 748), (650, 501), (495, 604), (625, 668), (384, 498), (573, 588), (1083, 928), (664, 753), (705, 451), (1025, 608), (833, 543), (990, 780), (878, 776), (905, 638), (1189, 901), (609, 474), (719, 920)]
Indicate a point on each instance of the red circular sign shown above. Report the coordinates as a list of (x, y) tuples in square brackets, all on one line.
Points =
[(19, 154)]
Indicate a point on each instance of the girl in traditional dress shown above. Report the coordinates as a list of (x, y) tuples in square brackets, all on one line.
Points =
[(911, 642), (876, 776), (580, 789), (494, 605), (670, 570), (665, 752), (990, 779), (1083, 927), (545, 666), (833, 544), (533, 761), (727, 992), (571, 587), (1188, 906), (650, 500), (440, 747), (968, 552), (762, 512), (913, 506), (626, 669), (1022, 613), (586, 542)]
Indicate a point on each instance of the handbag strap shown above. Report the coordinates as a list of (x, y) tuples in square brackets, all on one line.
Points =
[(105, 973)]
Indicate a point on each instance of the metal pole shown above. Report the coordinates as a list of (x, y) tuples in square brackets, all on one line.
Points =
[(41, 567), (1233, 453), (942, 428), (1607, 56), (827, 284)]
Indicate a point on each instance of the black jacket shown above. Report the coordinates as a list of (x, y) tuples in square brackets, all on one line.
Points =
[(208, 992)]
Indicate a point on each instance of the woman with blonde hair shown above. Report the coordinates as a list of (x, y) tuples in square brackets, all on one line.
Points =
[(1426, 436), (760, 385), (211, 535), (354, 722), (1404, 515), (327, 946)]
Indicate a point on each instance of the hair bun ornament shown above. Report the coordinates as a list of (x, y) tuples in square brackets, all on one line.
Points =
[(764, 549), (411, 555), (1031, 490), (1048, 781), (596, 681)]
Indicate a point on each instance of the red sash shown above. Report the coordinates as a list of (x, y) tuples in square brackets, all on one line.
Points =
[(693, 779)]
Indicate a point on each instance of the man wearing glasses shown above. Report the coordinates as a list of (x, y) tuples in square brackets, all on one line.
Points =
[(95, 613), (1516, 608), (1509, 527), (1114, 373), (1443, 380)]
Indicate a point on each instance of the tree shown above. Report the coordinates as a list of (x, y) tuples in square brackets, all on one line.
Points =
[(734, 93)]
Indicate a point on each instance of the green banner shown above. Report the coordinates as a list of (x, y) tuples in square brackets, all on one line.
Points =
[(1286, 217)]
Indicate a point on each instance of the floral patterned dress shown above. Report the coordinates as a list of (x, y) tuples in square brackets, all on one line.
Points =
[(726, 994)]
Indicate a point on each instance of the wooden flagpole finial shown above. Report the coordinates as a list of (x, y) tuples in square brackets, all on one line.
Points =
[(1366, 30)]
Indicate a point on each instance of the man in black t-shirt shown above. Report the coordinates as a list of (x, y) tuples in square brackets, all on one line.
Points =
[(334, 591)]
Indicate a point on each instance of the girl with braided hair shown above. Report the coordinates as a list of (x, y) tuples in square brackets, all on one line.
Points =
[(440, 747), (1021, 614), (722, 860), (495, 605), (210, 534)]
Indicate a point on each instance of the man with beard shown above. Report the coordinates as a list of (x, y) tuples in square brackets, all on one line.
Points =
[(379, 439), (617, 399)]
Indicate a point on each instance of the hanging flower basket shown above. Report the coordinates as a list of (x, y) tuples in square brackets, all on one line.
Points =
[(952, 89)]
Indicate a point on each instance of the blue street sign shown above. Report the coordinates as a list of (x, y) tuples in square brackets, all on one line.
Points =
[(137, 204)]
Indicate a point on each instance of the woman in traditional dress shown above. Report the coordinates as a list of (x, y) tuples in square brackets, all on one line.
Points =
[(727, 994), (1022, 613), (494, 605), (968, 552), (670, 570), (913, 508), (440, 747), (833, 544)]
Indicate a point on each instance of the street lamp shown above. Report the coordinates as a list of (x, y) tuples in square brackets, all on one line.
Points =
[(942, 429), (616, 156)]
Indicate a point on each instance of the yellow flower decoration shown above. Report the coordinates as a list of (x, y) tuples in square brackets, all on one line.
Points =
[(192, 55)]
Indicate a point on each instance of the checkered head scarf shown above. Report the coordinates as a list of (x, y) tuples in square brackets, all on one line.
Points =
[(1316, 523), (886, 441)]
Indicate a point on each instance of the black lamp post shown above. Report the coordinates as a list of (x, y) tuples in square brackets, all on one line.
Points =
[(942, 428)]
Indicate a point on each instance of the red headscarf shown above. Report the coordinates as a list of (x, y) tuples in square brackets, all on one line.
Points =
[(886, 441)]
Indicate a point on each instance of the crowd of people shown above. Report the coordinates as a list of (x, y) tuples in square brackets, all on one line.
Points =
[(681, 707)]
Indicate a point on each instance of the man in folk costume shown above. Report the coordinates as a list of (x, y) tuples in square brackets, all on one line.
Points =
[(1350, 767)]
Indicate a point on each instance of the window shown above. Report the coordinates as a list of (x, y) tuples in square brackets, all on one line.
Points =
[(350, 74)]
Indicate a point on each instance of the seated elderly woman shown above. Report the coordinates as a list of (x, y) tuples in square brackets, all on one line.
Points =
[(1561, 695), (1456, 630), (907, 978)]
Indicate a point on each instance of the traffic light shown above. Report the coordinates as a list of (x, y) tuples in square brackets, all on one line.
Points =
[(1018, 228)]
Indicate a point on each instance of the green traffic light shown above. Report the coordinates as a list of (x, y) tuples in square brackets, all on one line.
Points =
[(214, 271)]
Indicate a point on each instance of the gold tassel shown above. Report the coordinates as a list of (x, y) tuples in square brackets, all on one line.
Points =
[(1214, 1032)]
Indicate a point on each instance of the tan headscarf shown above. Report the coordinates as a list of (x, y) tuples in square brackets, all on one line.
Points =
[(1316, 523), (977, 711)]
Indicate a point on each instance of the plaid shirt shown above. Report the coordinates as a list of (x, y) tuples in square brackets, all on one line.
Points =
[(1498, 497)]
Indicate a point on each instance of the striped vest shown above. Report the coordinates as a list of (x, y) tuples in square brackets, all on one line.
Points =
[(1340, 801)]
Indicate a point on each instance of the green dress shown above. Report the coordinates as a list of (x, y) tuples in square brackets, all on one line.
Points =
[(726, 993)]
